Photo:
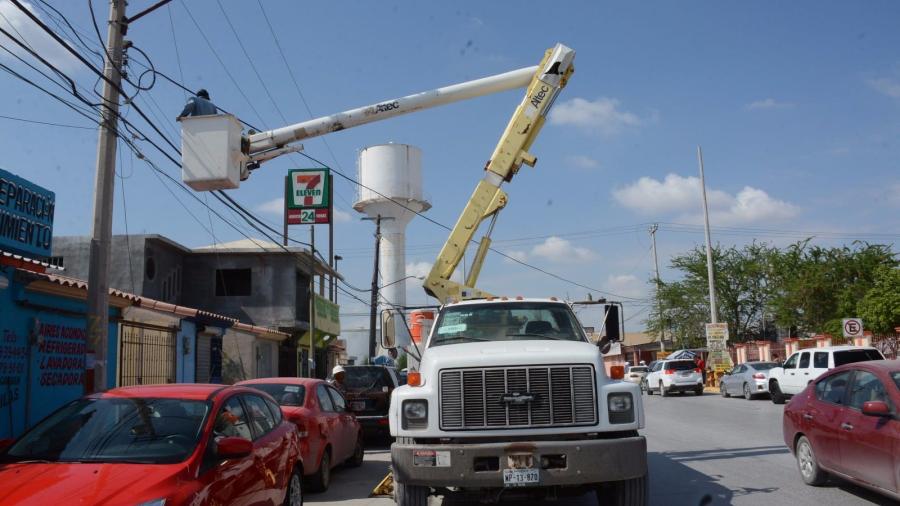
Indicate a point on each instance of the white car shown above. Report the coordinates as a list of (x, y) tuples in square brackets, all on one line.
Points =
[(636, 374), (804, 366), (667, 376)]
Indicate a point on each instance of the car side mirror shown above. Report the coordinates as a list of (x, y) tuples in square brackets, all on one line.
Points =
[(876, 408), (388, 330), (233, 447)]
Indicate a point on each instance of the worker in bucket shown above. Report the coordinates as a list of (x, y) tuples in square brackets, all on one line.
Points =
[(198, 105)]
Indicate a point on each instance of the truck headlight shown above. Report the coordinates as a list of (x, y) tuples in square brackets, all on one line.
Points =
[(415, 414), (621, 407)]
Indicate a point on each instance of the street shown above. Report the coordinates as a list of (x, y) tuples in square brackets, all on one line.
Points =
[(728, 449)]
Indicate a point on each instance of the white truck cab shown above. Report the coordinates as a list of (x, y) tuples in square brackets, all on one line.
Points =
[(511, 397)]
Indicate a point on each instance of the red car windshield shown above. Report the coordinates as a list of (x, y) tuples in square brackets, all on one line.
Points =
[(286, 395), (144, 431)]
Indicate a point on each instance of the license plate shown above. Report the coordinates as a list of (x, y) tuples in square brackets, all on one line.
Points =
[(358, 406), (520, 477)]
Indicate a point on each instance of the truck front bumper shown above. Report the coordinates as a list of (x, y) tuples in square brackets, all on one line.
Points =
[(585, 462)]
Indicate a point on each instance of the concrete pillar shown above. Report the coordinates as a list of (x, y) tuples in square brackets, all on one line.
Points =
[(765, 350)]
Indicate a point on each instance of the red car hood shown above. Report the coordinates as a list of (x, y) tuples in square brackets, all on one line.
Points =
[(84, 483)]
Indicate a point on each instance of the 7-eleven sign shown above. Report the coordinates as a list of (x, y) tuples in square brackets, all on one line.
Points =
[(308, 189)]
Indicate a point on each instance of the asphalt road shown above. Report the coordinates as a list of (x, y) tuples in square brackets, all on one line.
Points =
[(728, 449)]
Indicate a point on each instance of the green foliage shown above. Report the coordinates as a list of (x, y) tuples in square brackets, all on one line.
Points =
[(803, 289), (880, 308), (402, 361)]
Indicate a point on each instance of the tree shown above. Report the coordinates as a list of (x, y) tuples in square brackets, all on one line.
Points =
[(880, 307)]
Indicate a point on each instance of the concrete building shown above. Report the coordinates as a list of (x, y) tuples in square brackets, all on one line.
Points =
[(248, 280)]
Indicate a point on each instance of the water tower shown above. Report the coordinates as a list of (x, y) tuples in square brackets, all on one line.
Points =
[(392, 173)]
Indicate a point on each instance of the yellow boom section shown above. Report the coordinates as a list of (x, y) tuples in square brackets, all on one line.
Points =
[(488, 199)]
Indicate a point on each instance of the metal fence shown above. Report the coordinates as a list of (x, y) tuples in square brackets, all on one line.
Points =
[(146, 355)]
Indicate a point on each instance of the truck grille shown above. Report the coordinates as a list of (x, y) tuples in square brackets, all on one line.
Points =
[(486, 398)]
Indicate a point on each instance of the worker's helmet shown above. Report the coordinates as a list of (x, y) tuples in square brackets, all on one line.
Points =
[(203, 93)]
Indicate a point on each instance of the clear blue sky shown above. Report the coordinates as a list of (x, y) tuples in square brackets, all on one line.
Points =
[(795, 104)]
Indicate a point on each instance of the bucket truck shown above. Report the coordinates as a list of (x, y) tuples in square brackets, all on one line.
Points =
[(511, 397)]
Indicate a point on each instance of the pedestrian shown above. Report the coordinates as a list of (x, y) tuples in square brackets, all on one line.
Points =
[(701, 365), (337, 379), (199, 105)]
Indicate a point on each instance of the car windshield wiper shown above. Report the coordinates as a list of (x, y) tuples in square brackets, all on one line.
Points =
[(542, 336)]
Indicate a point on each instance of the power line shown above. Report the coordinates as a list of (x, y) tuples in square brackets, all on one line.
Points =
[(48, 123)]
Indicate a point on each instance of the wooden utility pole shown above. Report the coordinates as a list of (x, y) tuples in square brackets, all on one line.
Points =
[(662, 319), (104, 188)]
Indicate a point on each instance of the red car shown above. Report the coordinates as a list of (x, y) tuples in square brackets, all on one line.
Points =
[(846, 424), (160, 445), (333, 435)]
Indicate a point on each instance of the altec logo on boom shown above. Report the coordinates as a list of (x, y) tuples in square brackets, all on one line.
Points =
[(309, 188)]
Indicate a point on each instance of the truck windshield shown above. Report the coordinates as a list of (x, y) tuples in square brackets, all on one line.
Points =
[(506, 322)]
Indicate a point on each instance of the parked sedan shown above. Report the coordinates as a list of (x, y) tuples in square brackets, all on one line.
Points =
[(748, 379), (332, 434), (846, 424), (157, 445)]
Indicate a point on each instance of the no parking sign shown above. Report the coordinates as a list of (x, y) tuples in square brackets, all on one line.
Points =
[(853, 327)]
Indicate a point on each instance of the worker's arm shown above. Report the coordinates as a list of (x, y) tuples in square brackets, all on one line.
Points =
[(509, 155)]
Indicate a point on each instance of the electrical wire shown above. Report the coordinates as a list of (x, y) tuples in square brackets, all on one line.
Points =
[(48, 123)]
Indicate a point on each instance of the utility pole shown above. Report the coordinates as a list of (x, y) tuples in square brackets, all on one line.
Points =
[(374, 303), (662, 319), (709, 259), (312, 301), (104, 188)]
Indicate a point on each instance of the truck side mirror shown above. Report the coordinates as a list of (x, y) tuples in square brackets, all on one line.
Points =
[(388, 330), (612, 322)]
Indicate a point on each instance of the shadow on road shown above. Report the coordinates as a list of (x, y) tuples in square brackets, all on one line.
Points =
[(735, 453), (673, 483)]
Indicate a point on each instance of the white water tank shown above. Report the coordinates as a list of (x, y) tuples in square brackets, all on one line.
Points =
[(391, 177)]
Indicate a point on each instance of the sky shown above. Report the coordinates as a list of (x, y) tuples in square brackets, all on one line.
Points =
[(795, 106)]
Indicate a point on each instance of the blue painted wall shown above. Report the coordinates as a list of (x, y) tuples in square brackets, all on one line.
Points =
[(42, 354), (186, 353)]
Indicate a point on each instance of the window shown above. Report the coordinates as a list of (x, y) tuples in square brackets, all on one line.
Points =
[(232, 421), (765, 366), (832, 388), (820, 360), (340, 405), (233, 282), (804, 360), (896, 377), (260, 416), (637, 368), (286, 395), (366, 378), (57, 261), (324, 399), (276, 411), (867, 387), (681, 365), (853, 356), (792, 362), (509, 322)]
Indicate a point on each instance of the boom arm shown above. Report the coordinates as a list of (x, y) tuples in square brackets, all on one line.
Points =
[(488, 199)]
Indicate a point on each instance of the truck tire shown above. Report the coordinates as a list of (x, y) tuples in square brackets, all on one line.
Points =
[(633, 492), (775, 392), (409, 495)]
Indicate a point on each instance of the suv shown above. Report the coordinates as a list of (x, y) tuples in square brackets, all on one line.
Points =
[(667, 376), (368, 391), (804, 366)]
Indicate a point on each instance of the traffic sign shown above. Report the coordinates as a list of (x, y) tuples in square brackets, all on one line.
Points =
[(853, 327)]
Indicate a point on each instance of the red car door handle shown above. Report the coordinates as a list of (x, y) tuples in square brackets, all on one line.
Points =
[(846, 426), (807, 416)]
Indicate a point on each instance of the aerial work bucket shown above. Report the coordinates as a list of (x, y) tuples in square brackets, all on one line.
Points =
[(211, 157)]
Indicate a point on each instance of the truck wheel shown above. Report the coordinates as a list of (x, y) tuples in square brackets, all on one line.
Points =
[(775, 393), (410, 495), (662, 390), (633, 492)]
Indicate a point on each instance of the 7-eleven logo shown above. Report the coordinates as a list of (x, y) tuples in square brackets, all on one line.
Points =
[(308, 188)]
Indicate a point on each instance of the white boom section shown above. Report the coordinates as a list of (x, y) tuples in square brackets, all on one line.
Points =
[(280, 137)]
